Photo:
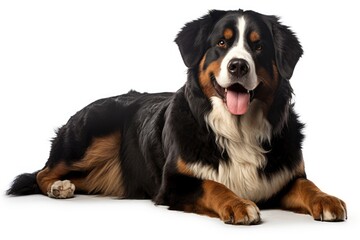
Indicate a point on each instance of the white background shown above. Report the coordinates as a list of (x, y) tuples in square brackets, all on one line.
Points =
[(58, 56)]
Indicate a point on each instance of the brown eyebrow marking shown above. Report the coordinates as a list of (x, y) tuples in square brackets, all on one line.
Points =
[(254, 36), (228, 33)]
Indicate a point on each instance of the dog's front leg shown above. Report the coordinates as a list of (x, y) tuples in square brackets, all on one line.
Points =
[(226, 205), (305, 197), (210, 198)]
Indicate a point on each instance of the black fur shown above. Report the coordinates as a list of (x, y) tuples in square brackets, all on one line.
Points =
[(157, 129), (24, 184), (287, 48), (192, 40)]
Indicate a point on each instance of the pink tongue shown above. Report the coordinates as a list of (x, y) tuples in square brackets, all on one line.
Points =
[(237, 103)]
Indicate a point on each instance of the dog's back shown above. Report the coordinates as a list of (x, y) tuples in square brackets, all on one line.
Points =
[(225, 142)]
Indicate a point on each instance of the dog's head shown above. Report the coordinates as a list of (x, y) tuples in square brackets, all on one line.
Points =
[(239, 56)]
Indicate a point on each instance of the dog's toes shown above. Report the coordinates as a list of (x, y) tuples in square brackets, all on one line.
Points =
[(328, 208), (61, 189), (240, 211)]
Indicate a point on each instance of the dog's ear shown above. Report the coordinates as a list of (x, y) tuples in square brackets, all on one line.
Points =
[(287, 48), (193, 37)]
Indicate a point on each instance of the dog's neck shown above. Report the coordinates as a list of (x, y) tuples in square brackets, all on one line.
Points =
[(246, 132)]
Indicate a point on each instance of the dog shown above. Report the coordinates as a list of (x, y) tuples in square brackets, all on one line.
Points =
[(224, 145)]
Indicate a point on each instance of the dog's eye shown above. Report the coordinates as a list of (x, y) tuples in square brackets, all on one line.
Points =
[(258, 47), (222, 43)]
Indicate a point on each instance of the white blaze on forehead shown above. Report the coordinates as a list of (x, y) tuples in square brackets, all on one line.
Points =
[(238, 50)]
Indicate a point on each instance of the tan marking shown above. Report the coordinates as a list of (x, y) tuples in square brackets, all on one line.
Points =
[(102, 162), (305, 197), (182, 167), (46, 177), (204, 76), (275, 72), (254, 36), (228, 33), (266, 90), (219, 201), (300, 169)]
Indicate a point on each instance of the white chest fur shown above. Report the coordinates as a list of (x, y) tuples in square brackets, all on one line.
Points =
[(241, 138)]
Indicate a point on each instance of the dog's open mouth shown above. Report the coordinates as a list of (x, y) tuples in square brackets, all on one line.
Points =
[(236, 97)]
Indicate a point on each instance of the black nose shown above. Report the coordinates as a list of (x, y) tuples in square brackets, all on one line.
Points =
[(238, 67)]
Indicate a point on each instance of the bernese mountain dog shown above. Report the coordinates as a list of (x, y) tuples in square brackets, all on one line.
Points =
[(224, 145)]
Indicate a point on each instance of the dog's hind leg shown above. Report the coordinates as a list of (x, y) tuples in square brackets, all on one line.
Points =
[(50, 183), (97, 172), (85, 154)]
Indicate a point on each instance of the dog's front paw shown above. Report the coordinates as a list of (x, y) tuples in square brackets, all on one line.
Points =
[(328, 208), (240, 211)]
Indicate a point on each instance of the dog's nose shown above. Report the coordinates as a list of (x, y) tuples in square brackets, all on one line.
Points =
[(238, 67)]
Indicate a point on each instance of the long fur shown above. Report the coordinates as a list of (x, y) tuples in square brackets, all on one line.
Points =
[(255, 155)]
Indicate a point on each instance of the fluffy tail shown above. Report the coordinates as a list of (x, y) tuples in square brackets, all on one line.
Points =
[(24, 184)]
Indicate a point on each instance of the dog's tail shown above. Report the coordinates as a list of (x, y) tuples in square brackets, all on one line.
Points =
[(24, 184)]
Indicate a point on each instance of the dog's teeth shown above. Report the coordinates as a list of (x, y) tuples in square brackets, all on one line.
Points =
[(225, 90), (248, 91)]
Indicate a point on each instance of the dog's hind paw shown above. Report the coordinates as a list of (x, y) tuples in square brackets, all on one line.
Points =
[(61, 189)]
